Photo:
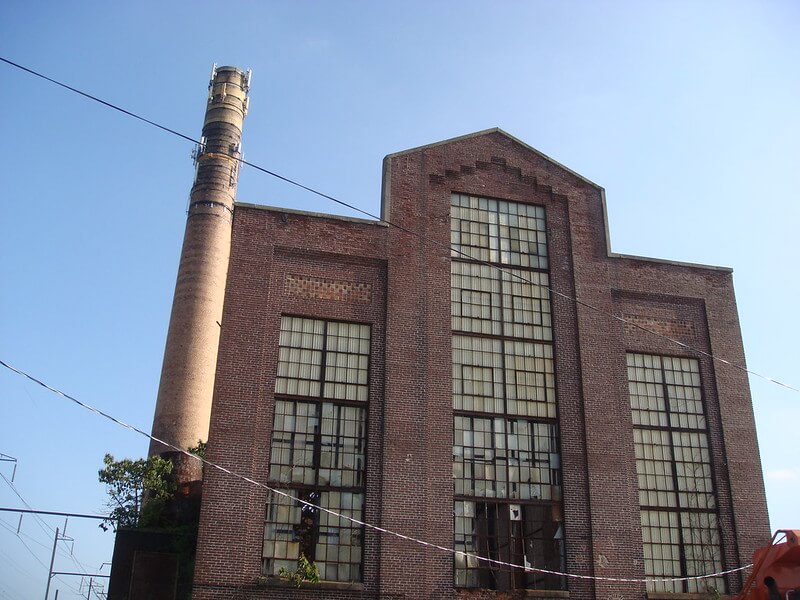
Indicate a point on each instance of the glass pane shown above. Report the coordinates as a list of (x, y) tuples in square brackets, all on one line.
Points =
[(673, 464)]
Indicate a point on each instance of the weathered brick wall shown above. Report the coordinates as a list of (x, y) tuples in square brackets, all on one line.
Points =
[(283, 262), (697, 306), (270, 248), (493, 166)]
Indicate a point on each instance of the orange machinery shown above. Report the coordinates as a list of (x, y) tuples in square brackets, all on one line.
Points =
[(776, 569)]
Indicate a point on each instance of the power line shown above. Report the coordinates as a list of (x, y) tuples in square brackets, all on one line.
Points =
[(10, 528), (11, 459), (61, 551), (11, 562), (28, 548), (33, 554), (96, 99), (421, 236), (42, 523), (348, 518), (46, 528)]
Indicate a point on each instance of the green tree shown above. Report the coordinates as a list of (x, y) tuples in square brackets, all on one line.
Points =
[(137, 489)]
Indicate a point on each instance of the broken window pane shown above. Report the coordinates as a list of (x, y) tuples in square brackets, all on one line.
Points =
[(293, 528), (528, 535), (318, 445), (506, 461), (496, 457)]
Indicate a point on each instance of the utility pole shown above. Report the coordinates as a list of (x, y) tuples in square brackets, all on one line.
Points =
[(61, 537), (11, 459), (50, 572)]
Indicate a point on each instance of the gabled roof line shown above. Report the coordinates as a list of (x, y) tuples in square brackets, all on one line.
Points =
[(609, 252), (501, 132)]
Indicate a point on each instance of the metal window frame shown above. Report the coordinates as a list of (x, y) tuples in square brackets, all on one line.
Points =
[(506, 339), (307, 490), (670, 429)]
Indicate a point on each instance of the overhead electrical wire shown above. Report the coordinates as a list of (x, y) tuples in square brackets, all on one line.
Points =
[(423, 237), (13, 563), (11, 527), (34, 555), (44, 527), (48, 530), (340, 516), (96, 99), (28, 548)]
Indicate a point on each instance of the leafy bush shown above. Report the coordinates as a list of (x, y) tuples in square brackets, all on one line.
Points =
[(305, 571)]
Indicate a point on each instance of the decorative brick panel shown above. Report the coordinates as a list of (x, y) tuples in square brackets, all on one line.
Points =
[(682, 331), (321, 288)]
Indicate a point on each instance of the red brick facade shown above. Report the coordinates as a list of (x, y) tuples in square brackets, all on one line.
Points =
[(286, 262)]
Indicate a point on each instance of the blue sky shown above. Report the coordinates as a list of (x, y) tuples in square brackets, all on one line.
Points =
[(685, 112)]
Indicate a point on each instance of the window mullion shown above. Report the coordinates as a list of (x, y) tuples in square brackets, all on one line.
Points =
[(323, 360), (338, 440), (675, 481), (317, 455)]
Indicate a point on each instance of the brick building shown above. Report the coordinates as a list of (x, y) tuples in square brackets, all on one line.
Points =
[(433, 375)]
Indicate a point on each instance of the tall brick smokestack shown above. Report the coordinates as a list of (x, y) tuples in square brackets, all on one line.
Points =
[(183, 408)]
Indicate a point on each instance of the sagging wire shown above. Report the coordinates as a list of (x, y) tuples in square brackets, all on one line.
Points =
[(353, 520)]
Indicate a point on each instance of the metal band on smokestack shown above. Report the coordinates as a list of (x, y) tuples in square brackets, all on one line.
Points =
[(183, 408)]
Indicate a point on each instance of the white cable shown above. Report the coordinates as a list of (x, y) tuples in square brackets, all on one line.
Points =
[(357, 521), (423, 237)]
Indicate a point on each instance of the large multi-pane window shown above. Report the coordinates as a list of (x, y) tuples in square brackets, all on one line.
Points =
[(497, 231), (317, 453), (503, 376), (318, 443), (680, 530), (322, 359), (506, 461), (510, 302), (498, 457)]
